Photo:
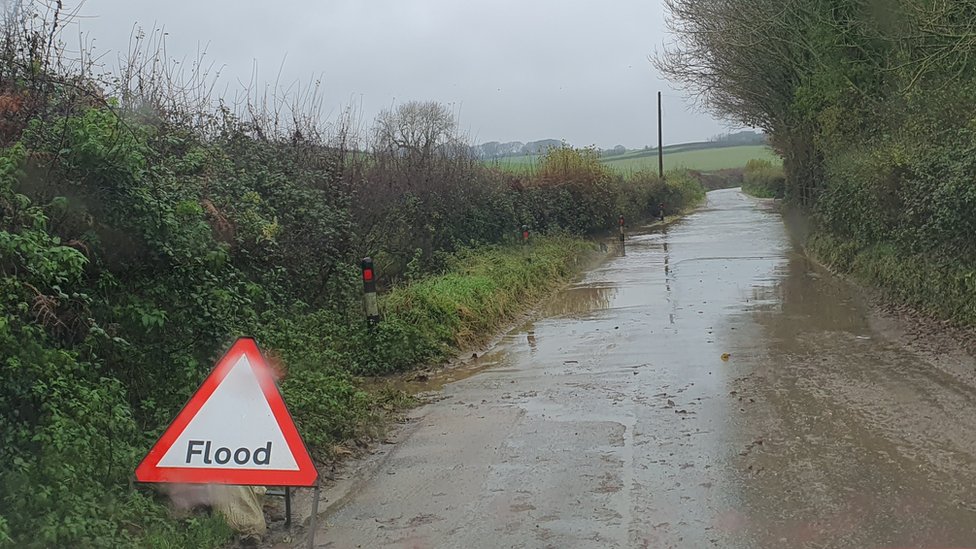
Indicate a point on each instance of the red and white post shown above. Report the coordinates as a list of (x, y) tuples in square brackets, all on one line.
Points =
[(369, 293)]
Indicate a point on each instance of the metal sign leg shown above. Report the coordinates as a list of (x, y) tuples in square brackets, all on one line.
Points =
[(315, 514), (287, 506)]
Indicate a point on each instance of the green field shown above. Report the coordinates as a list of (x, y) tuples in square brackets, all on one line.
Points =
[(705, 160)]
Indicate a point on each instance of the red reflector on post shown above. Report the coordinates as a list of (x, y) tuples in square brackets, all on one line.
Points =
[(368, 274)]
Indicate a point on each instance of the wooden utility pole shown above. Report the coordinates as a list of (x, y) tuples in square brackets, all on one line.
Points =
[(660, 139)]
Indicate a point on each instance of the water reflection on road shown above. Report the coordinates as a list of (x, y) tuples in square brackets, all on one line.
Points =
[(711, 388)]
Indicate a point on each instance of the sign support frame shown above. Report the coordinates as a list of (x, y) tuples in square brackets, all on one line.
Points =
[(244, 353)]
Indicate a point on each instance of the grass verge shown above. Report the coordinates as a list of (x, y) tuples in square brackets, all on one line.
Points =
[(482, 290), (425, 322)]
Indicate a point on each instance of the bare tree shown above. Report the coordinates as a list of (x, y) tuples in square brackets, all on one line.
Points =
[(750, 60), (414, 132), (420, 169)]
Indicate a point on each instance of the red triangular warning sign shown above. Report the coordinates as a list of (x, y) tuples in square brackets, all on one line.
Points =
[(234, 430)]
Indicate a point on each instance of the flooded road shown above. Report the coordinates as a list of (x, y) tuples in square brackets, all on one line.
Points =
[(712, 388)]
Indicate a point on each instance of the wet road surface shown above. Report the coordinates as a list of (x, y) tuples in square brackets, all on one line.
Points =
[(613, 421)]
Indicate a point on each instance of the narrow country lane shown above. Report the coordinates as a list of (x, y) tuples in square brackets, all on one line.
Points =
[(612, 419)]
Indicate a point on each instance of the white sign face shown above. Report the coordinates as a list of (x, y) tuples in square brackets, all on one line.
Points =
[(235, 429)]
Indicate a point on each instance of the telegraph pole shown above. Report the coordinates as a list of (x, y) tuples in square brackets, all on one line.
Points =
[(660, 139)]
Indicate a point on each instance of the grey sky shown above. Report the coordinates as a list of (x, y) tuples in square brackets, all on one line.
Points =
[(514, 69)]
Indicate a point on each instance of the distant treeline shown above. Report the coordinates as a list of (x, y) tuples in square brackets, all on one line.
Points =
[(495, 150)]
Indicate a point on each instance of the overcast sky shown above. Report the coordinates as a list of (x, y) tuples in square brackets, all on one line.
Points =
[(515, 70)]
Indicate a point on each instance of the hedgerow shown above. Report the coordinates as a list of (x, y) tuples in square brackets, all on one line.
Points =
[(141, 233), (872, 113)]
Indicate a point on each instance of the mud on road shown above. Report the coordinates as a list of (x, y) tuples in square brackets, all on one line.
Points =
[(710, 388)]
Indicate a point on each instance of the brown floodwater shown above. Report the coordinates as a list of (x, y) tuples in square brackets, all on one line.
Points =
[(709, 388)]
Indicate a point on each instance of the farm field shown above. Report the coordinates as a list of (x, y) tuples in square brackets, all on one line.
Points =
[(706, 160)]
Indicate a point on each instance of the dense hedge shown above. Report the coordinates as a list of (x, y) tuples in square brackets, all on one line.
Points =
[(139, 238), (462, 203), (764, 180), (871, 108)]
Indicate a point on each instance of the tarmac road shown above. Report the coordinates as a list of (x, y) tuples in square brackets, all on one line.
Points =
[(612, 419)]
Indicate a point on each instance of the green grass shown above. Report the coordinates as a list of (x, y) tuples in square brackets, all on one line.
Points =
[(707, 160), (675, 157), (424, 322), (484, 288), (522, 163)]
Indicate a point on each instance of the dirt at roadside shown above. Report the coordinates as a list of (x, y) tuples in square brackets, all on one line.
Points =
[(950, 347)]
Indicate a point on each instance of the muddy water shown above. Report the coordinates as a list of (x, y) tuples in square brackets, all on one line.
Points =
[(612, 420)]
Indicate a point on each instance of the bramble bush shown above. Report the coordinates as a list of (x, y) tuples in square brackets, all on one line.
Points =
[(68, 436)]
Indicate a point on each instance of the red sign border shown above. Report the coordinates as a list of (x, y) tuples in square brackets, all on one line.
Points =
[(306, 475)]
